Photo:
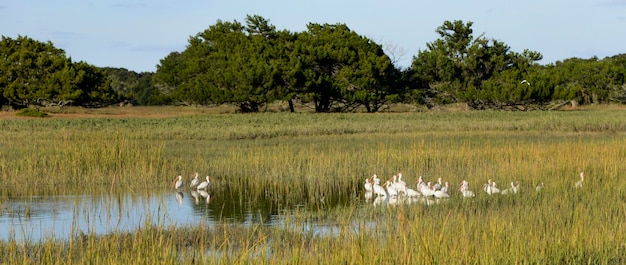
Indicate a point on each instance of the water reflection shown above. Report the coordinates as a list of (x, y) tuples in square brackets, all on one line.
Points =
[(36, 217)]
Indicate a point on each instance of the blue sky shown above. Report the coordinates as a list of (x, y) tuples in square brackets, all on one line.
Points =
[(136, 34)]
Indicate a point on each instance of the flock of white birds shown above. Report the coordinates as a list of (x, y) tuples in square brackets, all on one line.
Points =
[(195, 182), (198, 189), (396, 190)]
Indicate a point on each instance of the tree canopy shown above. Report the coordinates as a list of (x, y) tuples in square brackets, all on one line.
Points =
[(252, 65), (327, 66), (38, 74)]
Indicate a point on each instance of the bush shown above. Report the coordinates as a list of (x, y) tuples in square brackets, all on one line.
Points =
[(28, 112)]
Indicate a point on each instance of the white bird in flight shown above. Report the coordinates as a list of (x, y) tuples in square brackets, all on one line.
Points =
[(525, 82)]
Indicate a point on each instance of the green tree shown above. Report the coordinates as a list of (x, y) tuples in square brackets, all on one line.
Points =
[(587, 80), (135, 87), (338, 66), (458, 67), (38, 74)]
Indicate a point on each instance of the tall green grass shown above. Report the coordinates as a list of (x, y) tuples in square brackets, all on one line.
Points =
[(292, 158)]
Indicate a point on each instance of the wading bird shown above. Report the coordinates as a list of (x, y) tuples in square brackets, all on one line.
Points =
[(194, 181), (579, 184), (379, 190), (464, 189), (369, 184), (539, 187), (490, 187), (392, 191), (513, 189), (205, 184), (179, 182)]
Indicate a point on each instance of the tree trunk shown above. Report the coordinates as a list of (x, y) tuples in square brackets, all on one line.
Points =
[(291, 108)]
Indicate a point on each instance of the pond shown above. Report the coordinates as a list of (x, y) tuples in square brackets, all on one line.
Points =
[(37, 217), (40, 217), (33, 217)]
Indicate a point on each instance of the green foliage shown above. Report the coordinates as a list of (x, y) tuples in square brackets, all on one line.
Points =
[(135, 87), (588, 80), (463, 68), (340, 66), (38, 74), (252, 64), (30, 112)]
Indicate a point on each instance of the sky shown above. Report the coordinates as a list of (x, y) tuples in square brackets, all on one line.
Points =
[(137, 34)]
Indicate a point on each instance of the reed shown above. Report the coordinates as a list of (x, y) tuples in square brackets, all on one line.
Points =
[(317, 158)]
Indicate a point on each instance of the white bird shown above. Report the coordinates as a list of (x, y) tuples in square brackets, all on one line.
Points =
[(490, 187), (427, 190), (468, 194), (400, 179), (411, 193), (205, 184), (438, 185), (446, 187), (194, 181), (179, 182), (376, 179), (398, 185), (525, 82), (539, 187), (379, 190), (464, 189), (369, 184), (512, 190), (390, 189), (440, 194), (579, 184), (494, 188), (420, 182)]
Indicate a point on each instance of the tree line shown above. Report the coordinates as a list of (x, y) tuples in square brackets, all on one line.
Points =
[(327, 66)]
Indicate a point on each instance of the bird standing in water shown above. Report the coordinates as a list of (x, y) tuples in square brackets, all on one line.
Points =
[(194, 181), (179, 182), (205, 184)]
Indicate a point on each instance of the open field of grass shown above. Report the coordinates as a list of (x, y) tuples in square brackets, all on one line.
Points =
[(303, 156)]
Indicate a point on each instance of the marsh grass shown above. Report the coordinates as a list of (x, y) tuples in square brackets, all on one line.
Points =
[(316, 158)]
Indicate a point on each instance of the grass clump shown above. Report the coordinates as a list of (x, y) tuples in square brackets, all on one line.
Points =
[(30, 112)]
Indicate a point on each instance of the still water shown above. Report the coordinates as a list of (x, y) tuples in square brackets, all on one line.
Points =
[(40, 217), (31, 217)]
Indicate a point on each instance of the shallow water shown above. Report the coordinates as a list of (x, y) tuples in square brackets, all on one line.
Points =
[(35, 218)]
